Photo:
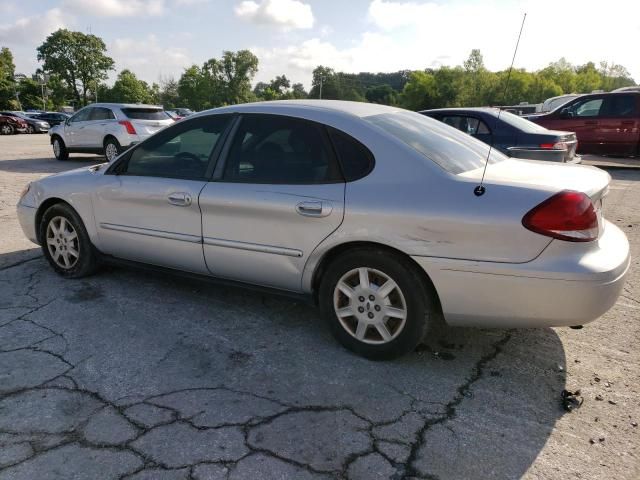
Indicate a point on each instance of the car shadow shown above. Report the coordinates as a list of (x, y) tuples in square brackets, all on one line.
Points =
[(48, 165), (632, 174), (474, 403)]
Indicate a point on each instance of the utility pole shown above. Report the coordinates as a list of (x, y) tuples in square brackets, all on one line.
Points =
[(320, 95)]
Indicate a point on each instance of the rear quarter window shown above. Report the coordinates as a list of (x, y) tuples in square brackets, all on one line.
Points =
[(145, 113), (356, 160)]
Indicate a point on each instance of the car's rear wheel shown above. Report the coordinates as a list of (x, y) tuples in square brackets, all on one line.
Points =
[(59, 149), (111, 149), (376, 303), (7, 129), (31, 129), (65, 242)]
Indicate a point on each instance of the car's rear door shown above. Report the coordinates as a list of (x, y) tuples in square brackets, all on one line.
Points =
[(619, 125), (146, 205), (95, 128), (276, 195)]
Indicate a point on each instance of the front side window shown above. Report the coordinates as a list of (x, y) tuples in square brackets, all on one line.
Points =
[(452, 150), (275, 149), (82, 115), (586, 108), (180, 152)]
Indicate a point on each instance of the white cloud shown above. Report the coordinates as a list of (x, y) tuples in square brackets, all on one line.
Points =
[(116, 8), (283, 13), (417, 35), (26, 29), (148, 58)]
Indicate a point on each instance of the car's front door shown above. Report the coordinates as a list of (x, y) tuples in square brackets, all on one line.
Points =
[(582, 116), (277, 195), (146, 205), (74, 128)]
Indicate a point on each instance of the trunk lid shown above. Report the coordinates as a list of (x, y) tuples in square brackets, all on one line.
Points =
[(147, 120), (551, 177)]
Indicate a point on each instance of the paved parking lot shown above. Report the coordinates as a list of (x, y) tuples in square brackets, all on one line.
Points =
[(144, 376)]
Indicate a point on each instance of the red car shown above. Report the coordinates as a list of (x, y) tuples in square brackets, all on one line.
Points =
[(11, 125), (605, 123)]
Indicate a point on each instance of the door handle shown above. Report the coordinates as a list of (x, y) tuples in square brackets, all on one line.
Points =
[(180, 199), (628, 122), (314, 209)]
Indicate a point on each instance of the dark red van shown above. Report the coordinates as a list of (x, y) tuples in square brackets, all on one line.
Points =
[(605, 123)]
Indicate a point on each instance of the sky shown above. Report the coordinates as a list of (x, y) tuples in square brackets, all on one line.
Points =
[(157, 39)]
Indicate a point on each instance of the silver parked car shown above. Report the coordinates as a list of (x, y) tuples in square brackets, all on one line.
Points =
[(107, 129), (369, 210)]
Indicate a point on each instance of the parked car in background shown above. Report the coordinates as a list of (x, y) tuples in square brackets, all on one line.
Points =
[(52, 118), (107, 129), (33, 125), (366, 209), (10, 125), (183, 112), (173, 115), (634, 88), (605, 123), (512, 135), (552, 103)]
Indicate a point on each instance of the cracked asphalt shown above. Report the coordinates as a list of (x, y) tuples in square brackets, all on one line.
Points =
[(132, 375)]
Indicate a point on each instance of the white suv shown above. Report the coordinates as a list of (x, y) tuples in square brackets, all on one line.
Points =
[(107, 129)]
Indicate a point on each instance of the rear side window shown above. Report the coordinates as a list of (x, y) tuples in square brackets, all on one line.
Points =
[(470, 125), (356, 159), (449, 148), (274, 149), (145, 113), (101, 113), (619, 106)]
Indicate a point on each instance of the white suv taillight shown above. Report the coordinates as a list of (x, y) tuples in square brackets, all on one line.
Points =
[(129, 126), (567, 215)]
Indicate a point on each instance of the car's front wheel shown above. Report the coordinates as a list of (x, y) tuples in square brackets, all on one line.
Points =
[(376, 303), (6, 129), (59, 149), (65, 242), (31, 129)]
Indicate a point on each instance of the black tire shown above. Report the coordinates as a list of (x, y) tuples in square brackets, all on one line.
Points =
[(86, 261), (31, 129), (61, 153), (7, 129), (111, 143), (420, 300)]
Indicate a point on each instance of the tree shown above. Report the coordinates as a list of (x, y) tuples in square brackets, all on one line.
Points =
[(129, 89), (420, 92), (79, 59), (383, 94), (168, 93), (7, 83), (588, 78), (298, 91)]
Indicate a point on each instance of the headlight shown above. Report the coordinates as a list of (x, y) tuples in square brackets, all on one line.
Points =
[(43, 124)]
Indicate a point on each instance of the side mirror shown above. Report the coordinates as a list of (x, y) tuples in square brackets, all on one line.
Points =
[(566, 113)]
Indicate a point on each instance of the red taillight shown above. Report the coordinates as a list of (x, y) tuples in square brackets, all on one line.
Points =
[(129, 126), (567, 216), (554, 146)]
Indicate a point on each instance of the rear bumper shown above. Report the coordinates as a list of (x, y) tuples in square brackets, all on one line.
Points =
[(538, 154), (568, 284)]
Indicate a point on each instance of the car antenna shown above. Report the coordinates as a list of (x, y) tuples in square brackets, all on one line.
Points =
[(480, 189)]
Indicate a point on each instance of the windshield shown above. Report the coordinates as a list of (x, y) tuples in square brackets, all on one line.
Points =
[(521, 123), (454, 151), (145, 113)]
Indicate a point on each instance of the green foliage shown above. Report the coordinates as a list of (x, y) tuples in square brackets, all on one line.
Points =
[(279, 88), (79, 59), (7, 83), (219, 82), (383, 94), (128, 89)]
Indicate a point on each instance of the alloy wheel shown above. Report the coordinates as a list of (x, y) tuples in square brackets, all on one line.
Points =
[(111, 151), (56, 148), (370, 305), (6, 130), (62, 242)]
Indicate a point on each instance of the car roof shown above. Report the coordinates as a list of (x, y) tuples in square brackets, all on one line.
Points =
[(489, 110), (123, 105), (357, 109)]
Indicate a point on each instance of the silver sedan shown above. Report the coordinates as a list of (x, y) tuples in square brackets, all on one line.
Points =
[(371, 211)]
